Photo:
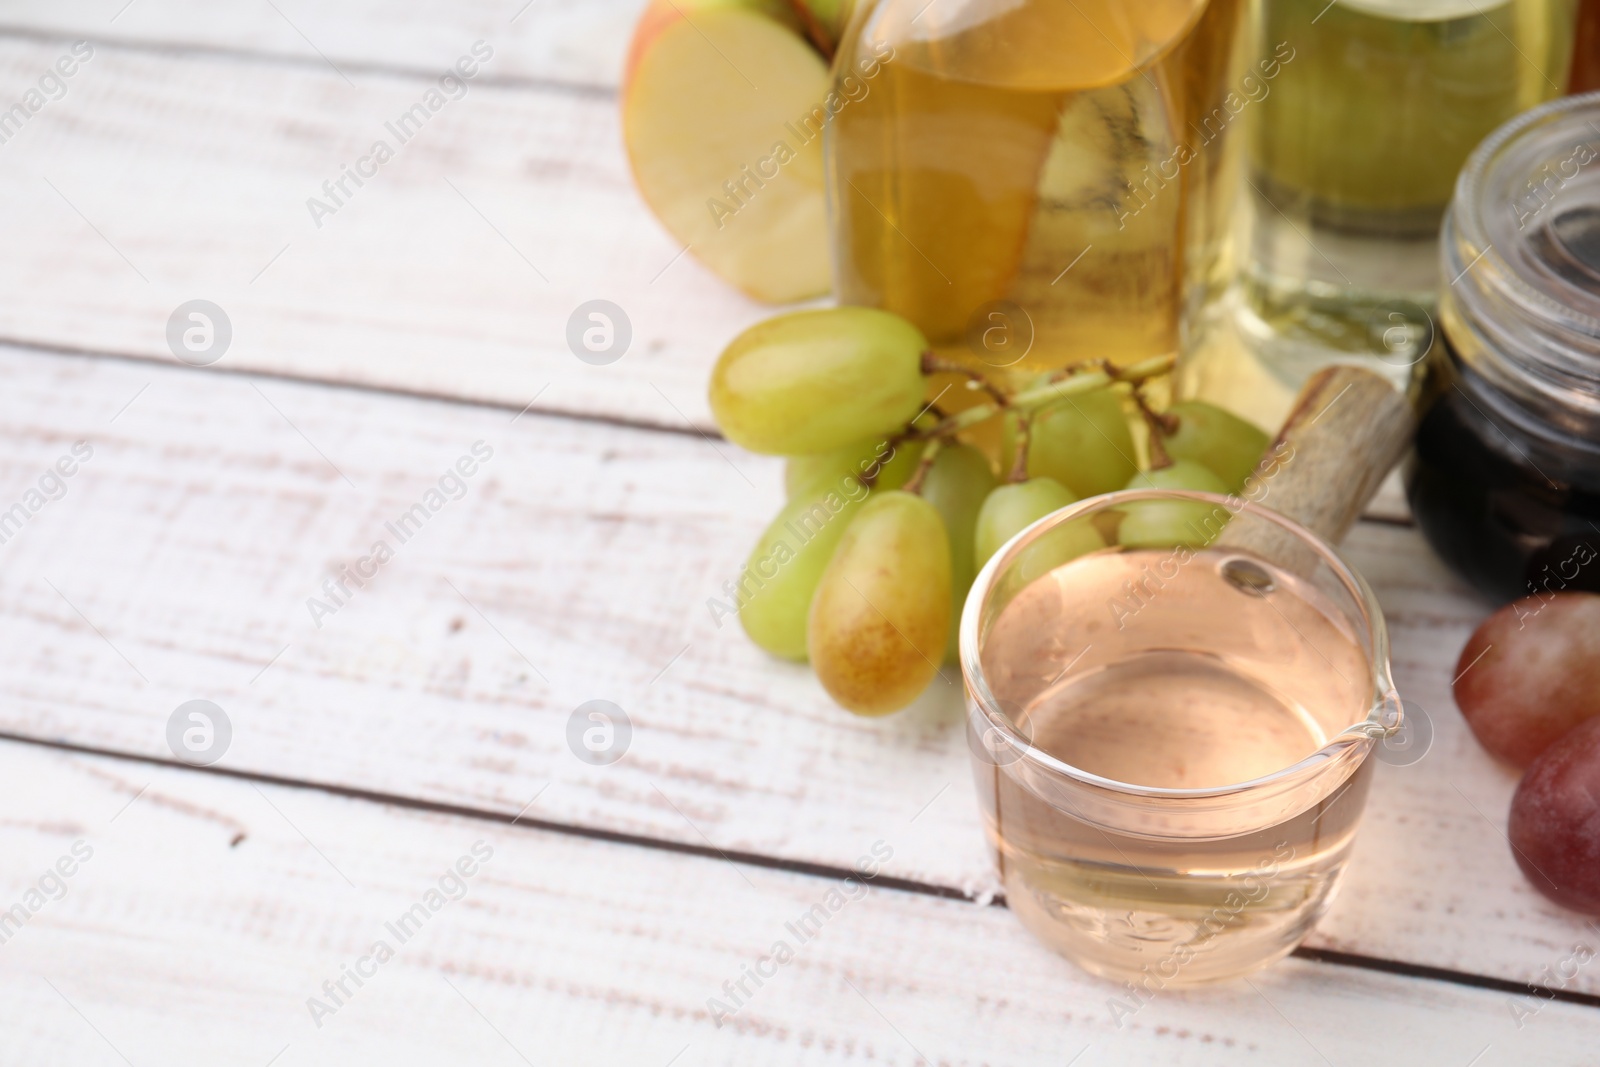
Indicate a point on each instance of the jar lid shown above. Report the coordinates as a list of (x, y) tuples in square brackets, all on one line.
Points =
[(1521, 259)]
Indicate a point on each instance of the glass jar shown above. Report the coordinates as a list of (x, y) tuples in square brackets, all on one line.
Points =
[(1034, 183), (1505, 475)]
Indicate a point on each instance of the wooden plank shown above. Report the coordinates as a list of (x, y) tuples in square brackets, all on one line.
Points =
[(1390, 504), (574, 42), (160, 179), (209, 912), (194, 537)]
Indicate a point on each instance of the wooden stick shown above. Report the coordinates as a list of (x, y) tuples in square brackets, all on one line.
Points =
[(1347, 430)]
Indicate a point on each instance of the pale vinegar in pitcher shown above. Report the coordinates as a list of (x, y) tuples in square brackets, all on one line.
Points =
[(1226, 671)]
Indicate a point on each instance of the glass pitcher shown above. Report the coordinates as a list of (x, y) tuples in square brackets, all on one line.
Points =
[(1171, 740), (1035, 183)]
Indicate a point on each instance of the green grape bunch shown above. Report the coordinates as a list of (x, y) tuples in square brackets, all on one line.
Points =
[(890, 515)]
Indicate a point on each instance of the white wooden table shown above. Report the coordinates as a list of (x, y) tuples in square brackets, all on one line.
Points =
[(428, 716)]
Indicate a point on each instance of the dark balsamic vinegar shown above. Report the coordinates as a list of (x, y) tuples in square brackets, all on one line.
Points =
[(1515, 513)]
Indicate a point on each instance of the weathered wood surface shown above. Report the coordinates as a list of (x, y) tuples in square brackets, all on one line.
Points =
[(210, 911), (553, 42), (576, 566), (194, 537), (162, 178)]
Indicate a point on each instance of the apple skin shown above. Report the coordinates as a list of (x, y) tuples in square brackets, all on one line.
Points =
[(715, 95), (661, 14)]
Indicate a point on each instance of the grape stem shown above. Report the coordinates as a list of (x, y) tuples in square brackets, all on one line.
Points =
[(1161, 427), (1068, 382), (815, 31), (932, 364), (1019, 464), (929, 453)]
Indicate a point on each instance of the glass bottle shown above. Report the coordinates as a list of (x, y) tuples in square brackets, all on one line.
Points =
[(1033, 182), (1354, 157)]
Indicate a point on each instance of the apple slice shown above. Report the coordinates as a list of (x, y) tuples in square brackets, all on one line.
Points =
[(721, 115)]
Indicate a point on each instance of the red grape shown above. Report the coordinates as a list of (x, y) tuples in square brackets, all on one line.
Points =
[(1555, 820), (1531, 673)]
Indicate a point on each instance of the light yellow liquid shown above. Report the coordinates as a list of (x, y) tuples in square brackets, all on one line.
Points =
[(1204, 684), (1353, 159), (1370, 123), (1029, 152)]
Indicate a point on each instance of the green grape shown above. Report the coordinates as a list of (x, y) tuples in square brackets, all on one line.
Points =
[(1011, 509), (1217, 439), (815, 381), (1169, 523), (879, 620), (780, 578), (957, 485), (1083, 443), (894, 465)]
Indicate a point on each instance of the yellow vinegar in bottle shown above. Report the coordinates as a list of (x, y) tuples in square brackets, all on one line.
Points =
[(1353, 159), (1032, 182)]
